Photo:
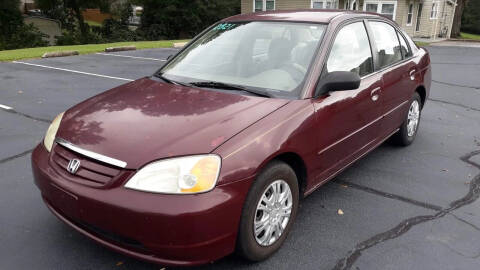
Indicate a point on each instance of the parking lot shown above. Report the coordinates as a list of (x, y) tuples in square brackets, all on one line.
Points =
[(404, 208)]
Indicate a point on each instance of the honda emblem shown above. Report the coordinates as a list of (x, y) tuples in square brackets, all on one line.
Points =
[(73, 166)]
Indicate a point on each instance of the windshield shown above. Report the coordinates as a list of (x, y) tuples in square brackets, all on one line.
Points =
[(269, 56)]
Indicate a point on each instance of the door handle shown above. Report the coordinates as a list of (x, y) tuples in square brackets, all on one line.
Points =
[(374, 93), (412, 74)]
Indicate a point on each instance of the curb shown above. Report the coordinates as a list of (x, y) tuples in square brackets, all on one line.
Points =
[(59, 54), (464, 40), (179, 44), (119, 49)]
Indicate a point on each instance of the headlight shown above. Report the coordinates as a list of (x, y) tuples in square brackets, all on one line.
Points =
[(52, 132), (183, 175)]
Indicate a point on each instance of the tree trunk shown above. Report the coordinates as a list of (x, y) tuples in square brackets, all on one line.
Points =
[(81, 22), (457, 19)]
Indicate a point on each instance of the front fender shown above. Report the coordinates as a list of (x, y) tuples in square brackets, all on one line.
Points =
[(288, 129)]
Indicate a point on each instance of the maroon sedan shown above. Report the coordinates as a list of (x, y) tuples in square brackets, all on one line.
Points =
[(212, 153)]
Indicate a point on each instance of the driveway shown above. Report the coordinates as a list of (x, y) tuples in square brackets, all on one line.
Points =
[(403, 208)]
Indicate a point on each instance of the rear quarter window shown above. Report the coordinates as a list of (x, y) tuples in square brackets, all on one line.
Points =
[(406, 52), (412, 44)]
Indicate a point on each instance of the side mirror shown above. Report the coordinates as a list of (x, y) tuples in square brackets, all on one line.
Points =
[(338, 81)]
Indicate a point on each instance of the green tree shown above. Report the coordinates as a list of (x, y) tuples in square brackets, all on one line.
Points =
[(471, 17), (10, 17), (181, 19), (75, 7), (122, 10), (457, 18), (13, 32)]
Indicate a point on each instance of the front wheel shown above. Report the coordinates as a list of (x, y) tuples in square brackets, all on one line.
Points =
[(269, 211), (408, 130)]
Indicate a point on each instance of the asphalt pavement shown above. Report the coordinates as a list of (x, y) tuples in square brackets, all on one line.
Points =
[(403, 208)]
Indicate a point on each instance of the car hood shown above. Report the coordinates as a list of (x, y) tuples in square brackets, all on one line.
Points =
[(146, 120)]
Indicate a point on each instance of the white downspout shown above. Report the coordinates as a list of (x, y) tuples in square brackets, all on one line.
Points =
[(436, 25)]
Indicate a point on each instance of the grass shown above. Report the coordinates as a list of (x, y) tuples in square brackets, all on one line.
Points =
[(10, 55), (92, 23), (470, 36), (421, 44)]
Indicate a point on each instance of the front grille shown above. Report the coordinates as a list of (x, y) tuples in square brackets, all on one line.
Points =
[(91, 172)]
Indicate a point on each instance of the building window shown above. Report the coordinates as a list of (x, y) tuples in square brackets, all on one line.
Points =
[(434, 11), (270, 4), (263, 5), (385, 8), (371, 8), (324, 4), (410, 14)]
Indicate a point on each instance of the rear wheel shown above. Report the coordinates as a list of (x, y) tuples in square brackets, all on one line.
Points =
[(269, 211), (408, 130)]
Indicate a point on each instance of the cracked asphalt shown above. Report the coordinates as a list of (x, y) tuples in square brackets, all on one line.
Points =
[(404, 208)]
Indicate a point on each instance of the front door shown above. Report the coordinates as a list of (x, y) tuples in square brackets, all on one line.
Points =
[(348, 121)]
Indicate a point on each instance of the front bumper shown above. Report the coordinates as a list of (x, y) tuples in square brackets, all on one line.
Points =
[(164, 229)]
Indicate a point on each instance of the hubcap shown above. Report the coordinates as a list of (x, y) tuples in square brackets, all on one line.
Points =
[(272, 213), (413, 118)]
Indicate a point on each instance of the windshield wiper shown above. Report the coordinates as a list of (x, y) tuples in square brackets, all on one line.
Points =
[(160, 75), (227, 86)]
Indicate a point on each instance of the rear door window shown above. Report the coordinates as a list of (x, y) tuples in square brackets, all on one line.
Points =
[(386, 40)]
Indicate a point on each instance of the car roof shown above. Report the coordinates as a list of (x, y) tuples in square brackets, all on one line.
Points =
[(301, 15)]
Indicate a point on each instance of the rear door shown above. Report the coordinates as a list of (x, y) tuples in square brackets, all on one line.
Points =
[(393, 62), (348, 121)]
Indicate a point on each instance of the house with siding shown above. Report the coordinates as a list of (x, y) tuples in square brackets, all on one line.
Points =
[(430, 19)]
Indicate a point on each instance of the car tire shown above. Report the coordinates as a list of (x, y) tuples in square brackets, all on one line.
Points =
[(405, 136), (249, 243)]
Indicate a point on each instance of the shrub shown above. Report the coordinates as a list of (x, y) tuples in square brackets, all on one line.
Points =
[(75, 37), (14, 34), (26, 36), (152, 32), (471, 17), (175, 19), (113, 31)]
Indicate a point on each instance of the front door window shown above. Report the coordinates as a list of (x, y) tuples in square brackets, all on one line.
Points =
[(351, 51)]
